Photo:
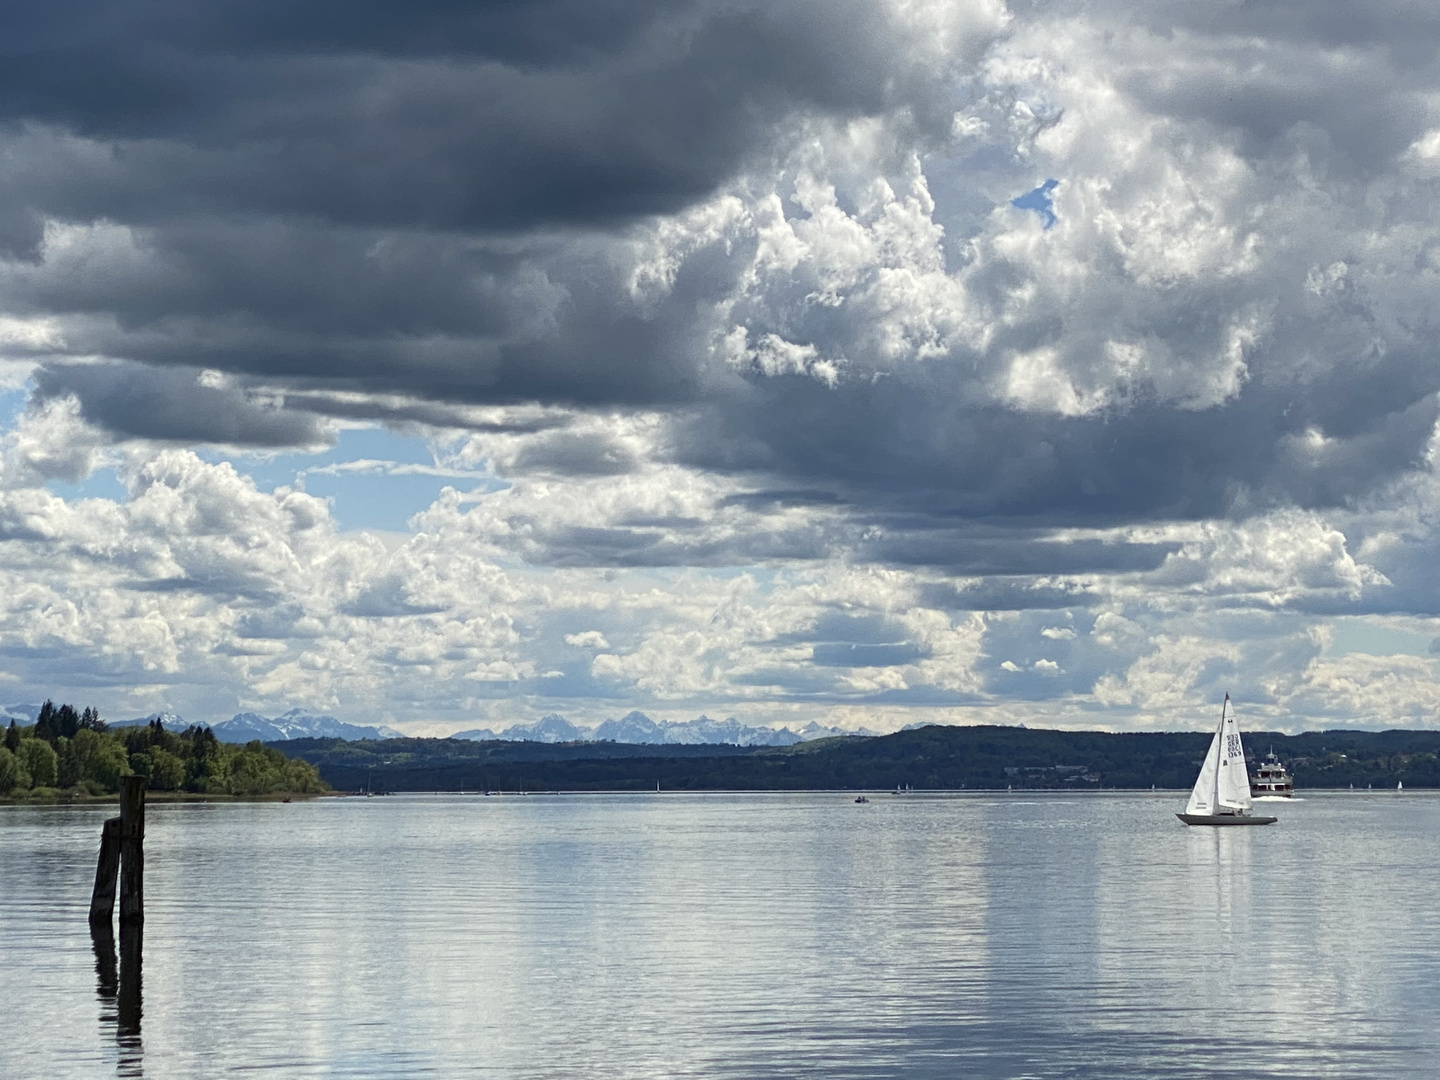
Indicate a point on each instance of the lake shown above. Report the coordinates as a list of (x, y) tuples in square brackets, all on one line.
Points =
[(735, 935)]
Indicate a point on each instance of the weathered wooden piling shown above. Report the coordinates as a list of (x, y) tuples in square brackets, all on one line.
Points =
[(132, 849), (107, 871)]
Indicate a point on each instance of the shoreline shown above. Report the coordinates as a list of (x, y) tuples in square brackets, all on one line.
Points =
[(70, 798)]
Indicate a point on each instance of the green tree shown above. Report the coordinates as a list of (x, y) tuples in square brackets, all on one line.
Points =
[(167, 772), (140, 763), (67, 771), (45, 721), (40, 762), (9, 772), (12, 737), (67, 721), (247, 772), (108, 765), (86, 745)]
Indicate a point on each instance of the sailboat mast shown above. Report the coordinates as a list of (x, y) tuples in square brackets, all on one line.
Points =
[(1219, 750)]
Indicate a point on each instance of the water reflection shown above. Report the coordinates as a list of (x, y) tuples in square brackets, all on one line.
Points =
[(118, 988), (733, 938)]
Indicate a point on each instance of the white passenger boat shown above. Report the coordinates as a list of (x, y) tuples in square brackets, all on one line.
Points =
[(1271, 780)]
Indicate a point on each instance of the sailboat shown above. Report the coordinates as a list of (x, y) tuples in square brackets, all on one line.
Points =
[(1222, 790)]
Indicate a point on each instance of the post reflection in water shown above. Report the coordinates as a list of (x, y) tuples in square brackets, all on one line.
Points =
[(118, 988), (102, 937)]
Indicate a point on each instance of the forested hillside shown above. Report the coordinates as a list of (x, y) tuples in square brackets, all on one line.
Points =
[(935, 758)]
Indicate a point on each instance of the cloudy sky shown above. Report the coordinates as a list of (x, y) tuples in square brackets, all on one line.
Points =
[(861, 361)]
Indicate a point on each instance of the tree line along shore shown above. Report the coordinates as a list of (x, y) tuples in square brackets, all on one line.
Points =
[(929, 758), (71, 756)]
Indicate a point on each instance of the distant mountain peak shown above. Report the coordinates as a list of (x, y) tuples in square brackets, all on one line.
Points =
[(171, 721)]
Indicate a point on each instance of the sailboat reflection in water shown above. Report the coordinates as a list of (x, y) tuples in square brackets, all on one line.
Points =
[(1222, 791)]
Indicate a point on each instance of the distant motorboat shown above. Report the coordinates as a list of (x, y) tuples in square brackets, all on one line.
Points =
[(1222, 790), (861, 798)]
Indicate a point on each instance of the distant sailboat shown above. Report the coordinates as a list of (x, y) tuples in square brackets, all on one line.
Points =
[(1399, 785), (1222, 790)]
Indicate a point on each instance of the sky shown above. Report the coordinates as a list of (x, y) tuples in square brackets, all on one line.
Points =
[(445, 365)]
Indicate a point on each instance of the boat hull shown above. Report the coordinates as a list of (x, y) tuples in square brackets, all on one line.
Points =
[(1226, 819)]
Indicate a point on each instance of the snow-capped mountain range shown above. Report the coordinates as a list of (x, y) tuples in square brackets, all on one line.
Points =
[(296, 724), (637, 728), (634, 728), (242, 727)]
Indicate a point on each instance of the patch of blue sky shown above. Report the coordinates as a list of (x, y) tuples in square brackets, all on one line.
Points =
[(12, 403), (374, 479), (1039, 200), (101, 484)]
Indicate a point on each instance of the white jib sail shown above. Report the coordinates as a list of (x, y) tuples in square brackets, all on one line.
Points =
[(1202, 798)]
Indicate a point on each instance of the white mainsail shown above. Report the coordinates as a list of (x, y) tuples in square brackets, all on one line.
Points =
[(1234, 782), (1223, 785)]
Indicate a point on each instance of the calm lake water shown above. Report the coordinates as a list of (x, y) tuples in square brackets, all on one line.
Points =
[(736, 936)]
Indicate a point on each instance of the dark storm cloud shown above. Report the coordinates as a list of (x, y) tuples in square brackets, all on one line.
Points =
[(1020, 555), (919, 439), (313, 187), (1004, 594), (136, 401), (429, 316), (474, 117), (577, 454)]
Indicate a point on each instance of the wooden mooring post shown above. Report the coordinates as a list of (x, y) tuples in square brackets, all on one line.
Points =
[(122, 855), (132, 849), (107, 872)]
